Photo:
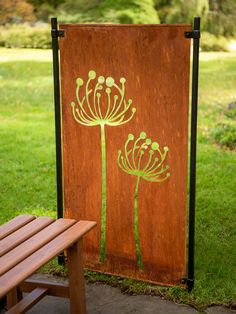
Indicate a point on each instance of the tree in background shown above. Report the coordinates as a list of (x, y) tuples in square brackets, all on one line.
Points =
[(113, 11), (79, 11), (182, 11), (53, 3), (16, 11), (222, 17), (218, 17), (132, 11), (43, 9)]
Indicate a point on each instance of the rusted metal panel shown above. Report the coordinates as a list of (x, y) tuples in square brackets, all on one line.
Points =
[(109, 141)]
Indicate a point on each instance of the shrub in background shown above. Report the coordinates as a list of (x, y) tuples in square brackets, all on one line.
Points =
[(221, 18), (16, 11), (182, 11), (225, 135), (210, 42), (109, 11), (23, 36), (130, 12), (231, 111), (225, 132)]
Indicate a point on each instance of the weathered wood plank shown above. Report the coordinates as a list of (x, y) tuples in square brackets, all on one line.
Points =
[(23, 233), (31, 245), (14, 224), (29, 265)]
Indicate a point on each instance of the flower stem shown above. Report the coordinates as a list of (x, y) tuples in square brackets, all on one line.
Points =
[(136, 227), (104, 196)]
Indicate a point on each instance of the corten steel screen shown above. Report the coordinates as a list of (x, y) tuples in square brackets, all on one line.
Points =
[(125, 93)]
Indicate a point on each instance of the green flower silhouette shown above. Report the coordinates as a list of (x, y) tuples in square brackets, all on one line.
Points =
[(144, 159), (102, 103)]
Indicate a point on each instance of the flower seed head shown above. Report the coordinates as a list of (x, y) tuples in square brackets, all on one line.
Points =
[(117, 109), (79, 81), (155, 146), (131, 137), (143, 135), (101, 79), (92, 74), (110, 81)]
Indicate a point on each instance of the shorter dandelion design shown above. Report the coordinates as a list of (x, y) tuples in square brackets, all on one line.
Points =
[(102, 101), (144, 159)]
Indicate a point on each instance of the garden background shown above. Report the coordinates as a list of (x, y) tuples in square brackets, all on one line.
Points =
[(27, 150)]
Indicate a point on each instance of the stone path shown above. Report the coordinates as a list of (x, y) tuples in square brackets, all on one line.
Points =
[(103, 299)]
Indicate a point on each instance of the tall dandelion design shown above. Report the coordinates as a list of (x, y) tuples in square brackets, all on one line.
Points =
[(101, 101), (144, 159)]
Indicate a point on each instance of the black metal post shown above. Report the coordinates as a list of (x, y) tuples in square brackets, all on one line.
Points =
[(57, 107), (193, 150)]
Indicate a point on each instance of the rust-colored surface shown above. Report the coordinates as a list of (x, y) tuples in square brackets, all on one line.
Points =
[(154, 60)]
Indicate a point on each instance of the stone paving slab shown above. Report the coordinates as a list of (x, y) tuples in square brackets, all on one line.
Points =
[(219, 310), (103, 299)]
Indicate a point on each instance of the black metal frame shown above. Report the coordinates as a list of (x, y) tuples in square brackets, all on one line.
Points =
[(56, 80), (195, 35), (57, 106)]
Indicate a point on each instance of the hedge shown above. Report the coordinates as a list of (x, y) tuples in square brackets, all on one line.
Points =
[(26, 37)]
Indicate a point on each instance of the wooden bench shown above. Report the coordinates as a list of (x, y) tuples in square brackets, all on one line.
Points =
[(26, 244)]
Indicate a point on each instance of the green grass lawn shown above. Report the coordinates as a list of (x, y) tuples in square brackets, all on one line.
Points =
[(27, 164)]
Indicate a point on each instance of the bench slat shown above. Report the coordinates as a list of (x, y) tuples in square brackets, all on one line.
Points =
[(28, 301), (23, 234), (31, 245), (24, 269), (14, 224)]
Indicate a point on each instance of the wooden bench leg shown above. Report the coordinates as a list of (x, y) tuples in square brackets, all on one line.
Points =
[(76, 278), (13, 297), (28, 301)]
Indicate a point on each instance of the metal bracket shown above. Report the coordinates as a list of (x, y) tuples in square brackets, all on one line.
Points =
[(57, 33), (61, 258), (188, 282), (195, 34)]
